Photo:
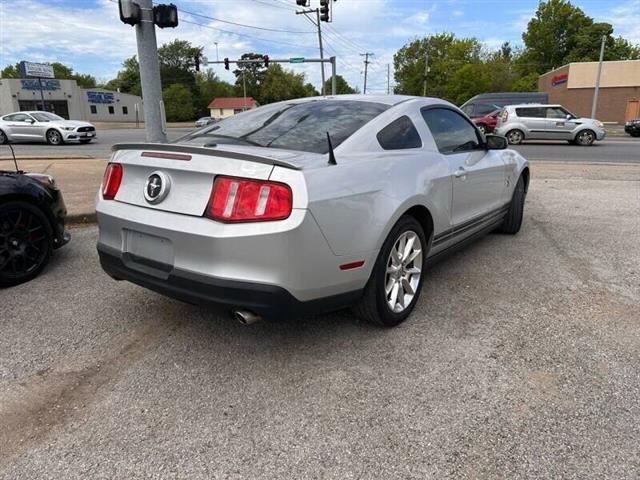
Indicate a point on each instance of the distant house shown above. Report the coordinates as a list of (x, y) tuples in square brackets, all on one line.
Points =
[(223, 107)]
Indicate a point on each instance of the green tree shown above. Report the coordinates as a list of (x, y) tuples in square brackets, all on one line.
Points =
[(279, 84), (210, 87), (128, 79), (254, 74), (178, 103), (342, 87)]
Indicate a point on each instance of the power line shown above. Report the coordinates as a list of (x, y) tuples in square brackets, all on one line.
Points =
[(241, 24), (274, 5)]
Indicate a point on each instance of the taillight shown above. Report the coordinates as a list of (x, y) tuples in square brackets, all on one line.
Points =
[(111, 181), (244, 200), (505, 116)]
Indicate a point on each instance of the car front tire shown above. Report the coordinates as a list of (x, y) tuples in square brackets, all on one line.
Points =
[(25, 242), (54, 137), (396, 280), (585, 138), (482, 128)]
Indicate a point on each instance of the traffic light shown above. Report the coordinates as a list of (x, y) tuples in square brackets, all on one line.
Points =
[(226, 64), (302, 3), (324, 10), (266, 60), (165, 16), (129, 12)]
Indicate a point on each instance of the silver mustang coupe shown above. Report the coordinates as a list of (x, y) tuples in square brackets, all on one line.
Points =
[(44, 127), (308, 205)]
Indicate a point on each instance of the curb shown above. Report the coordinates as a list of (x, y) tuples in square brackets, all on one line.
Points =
[(81, 219)]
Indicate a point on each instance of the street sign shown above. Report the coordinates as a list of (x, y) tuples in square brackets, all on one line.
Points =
[(40, 70), (296, 60)]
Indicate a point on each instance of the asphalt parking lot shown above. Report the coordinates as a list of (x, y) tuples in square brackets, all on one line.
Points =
[(520, 361), (614, 149)]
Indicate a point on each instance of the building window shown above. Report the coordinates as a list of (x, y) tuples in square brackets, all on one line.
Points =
[(111, 110), (125, 111), (94, 109)]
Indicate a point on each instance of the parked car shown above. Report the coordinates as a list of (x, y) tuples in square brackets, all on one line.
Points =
[(547, 122), (44, 127), (485, 103), (633, 127), (204, 121), (487, 124), (32, 224), (310, 205)]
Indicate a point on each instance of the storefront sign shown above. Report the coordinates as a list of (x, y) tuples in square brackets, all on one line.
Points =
[(100, 97), (34, 84), (42, 70), (560, 79)]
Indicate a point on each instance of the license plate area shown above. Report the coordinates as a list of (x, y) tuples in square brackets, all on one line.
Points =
[(148, 253)]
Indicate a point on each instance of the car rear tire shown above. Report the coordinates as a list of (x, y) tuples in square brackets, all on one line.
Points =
[(25, 242), (54, 137), (585, 138), (482, 128), (513, 219), (3, 138), (397, 276), (634, 134), (515, 137)]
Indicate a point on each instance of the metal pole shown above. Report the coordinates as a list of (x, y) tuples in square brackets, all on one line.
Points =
[(388, 90), (333, 75), (150, 74), (594, 106), (244, 90), (426, 71), (321, 51), (41, 94), (217, 58)]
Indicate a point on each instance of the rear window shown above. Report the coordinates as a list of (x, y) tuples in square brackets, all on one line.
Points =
[(399, 135), (291, 126)]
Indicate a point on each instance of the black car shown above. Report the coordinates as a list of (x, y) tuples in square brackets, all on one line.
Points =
[(633, 127), (32, 217)]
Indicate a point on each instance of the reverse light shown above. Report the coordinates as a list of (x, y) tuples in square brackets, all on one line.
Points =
[(235, 199), (111, 181)]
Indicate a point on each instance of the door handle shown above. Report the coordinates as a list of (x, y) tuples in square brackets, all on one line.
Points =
[(460, 172)]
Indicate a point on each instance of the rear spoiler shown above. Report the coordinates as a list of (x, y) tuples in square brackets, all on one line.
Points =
[(211, 152)]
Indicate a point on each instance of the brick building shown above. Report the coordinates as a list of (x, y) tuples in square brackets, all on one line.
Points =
[(573, 86)]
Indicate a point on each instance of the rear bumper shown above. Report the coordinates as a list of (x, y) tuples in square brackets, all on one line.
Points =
[(266, 300)]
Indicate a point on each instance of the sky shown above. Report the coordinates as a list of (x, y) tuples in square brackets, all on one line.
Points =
[(88, 35)]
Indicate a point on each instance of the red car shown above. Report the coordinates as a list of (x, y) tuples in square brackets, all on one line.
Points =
[(487, 123)]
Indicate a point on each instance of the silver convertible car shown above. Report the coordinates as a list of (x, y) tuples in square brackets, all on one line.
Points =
[(308, 205), (44, 127)]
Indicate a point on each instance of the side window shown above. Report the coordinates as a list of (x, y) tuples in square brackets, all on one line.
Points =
[(16, 117), (484, 109), (451, 131), (531, 112), (399, 135), (556, 112), (468, 109)]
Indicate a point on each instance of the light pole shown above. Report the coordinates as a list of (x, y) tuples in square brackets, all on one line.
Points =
[(594, 106), (217, 59)]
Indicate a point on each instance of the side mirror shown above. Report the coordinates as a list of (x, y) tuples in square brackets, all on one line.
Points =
[(569, 116), (30, 120), (496, 142)]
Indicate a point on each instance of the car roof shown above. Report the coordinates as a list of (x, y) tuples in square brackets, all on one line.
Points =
[(390, 100), (534, 105)]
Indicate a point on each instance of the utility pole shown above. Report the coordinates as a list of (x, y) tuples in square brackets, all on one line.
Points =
[(594, 106), (366, 56), (317, 24), (388, 89), (426, 71), (244, 90), (217, 59), (150, 74)]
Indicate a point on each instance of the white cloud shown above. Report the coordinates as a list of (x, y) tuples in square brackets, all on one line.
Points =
[(625, 19)]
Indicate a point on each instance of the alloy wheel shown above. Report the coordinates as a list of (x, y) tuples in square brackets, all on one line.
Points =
[(23, 243), (482, 128), (3, 137), (514, 137), (404, 268), (585, 138), (54, 137)]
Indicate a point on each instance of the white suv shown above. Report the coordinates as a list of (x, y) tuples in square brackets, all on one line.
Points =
[(547, 122)]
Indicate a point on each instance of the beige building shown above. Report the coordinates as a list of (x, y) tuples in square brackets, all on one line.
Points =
[(573, 86), (223, 107)]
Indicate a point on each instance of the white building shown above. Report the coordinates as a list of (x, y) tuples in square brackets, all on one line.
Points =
[(67, 99)]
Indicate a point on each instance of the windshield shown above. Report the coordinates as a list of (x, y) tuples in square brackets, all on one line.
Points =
[(46, 117), (291, 126)]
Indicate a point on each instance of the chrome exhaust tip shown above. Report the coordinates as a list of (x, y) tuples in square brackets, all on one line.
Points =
[(245, 317)]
